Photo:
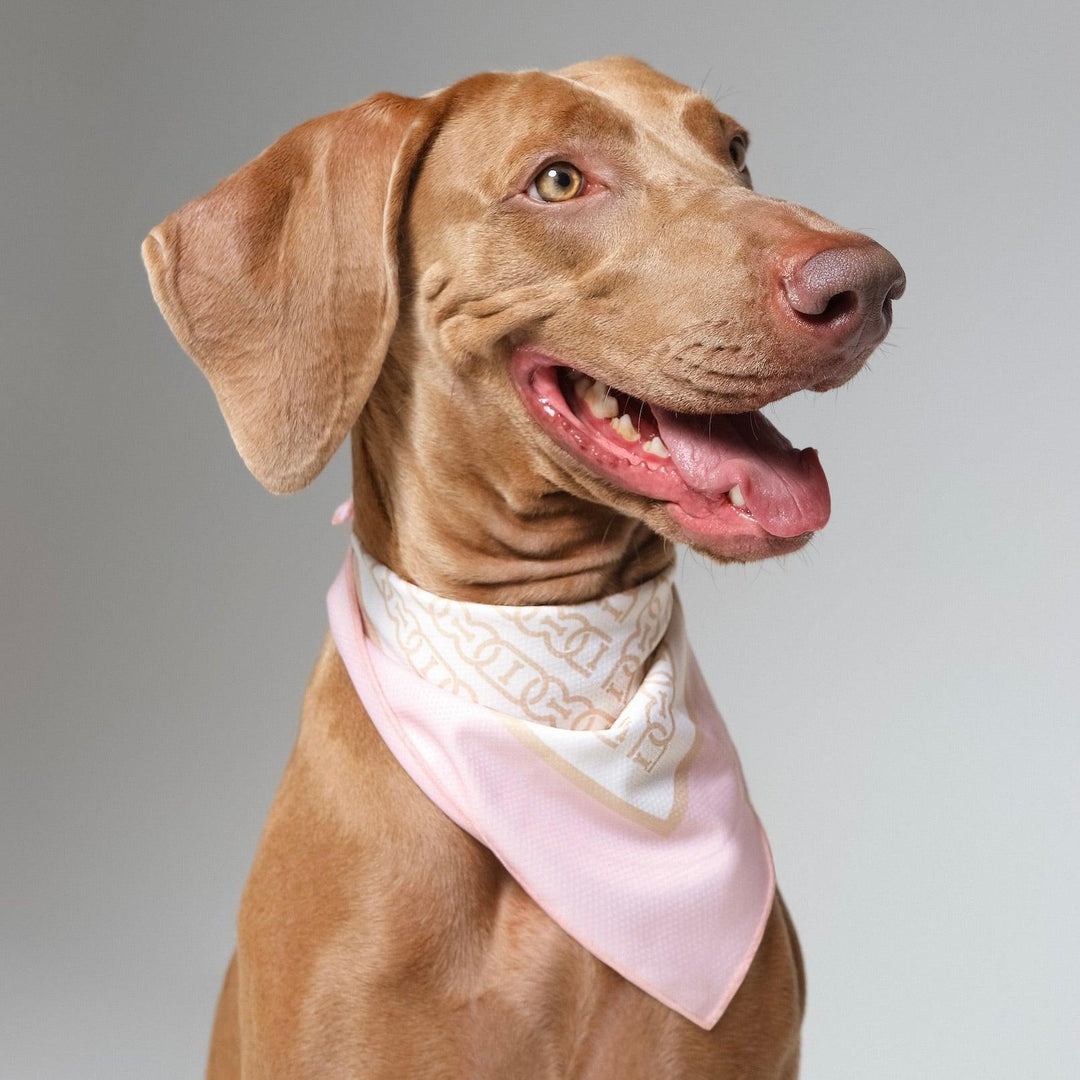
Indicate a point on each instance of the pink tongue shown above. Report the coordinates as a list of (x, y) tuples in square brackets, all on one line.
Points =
[(785, 489)]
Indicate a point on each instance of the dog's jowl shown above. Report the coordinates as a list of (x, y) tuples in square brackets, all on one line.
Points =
[(514, 838)]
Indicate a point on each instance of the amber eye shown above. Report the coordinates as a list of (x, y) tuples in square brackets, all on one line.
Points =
[(737, 150), (557, 182)]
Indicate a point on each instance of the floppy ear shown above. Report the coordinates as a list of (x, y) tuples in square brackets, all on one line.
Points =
[(281, 283)]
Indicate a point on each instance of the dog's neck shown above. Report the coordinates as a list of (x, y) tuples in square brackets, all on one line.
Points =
[(483, 526), (469, 542)]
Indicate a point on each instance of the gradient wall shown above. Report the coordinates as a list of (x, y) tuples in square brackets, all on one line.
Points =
[(904, 694)]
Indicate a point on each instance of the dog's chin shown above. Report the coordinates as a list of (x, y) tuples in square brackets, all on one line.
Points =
[(728, 484), (696, 533)]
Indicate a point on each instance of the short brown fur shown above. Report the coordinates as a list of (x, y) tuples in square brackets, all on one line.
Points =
[(373, 271)]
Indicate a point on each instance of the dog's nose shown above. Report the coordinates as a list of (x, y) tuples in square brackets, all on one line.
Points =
[(844, 295)]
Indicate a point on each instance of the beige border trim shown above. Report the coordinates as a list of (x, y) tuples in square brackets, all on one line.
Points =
[(521, 730)]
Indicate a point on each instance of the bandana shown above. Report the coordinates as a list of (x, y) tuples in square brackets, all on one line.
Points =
[(580, 744)]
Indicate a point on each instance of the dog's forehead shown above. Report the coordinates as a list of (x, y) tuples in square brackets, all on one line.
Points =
[(609, 103), (654, 100), (630, 83)]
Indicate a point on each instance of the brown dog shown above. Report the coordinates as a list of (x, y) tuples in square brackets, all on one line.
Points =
[(430, 274)]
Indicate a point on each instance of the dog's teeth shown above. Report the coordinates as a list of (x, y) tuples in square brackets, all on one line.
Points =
[(624, 427), (736, 496), (600, 402), (656, 447)]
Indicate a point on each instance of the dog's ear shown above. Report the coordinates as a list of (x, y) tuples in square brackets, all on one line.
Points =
[(281, 283)]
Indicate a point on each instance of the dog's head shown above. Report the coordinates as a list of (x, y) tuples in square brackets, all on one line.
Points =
[(561, 276)]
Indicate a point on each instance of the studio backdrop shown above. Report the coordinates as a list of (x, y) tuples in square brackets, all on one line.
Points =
[(903, 692)]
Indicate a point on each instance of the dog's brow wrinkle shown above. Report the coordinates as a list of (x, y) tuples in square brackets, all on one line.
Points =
[(437, 289)]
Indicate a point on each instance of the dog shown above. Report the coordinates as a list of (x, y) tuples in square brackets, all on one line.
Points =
[(450, 278)]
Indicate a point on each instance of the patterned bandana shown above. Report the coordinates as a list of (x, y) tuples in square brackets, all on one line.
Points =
[(580, 744)]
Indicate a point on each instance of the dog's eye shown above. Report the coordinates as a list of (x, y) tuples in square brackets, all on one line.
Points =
[(737, 150), (557, 182)]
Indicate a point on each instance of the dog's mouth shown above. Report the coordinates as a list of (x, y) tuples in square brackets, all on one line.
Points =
[(721, 475)]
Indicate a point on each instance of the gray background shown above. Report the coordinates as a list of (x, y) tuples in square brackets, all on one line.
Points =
[(904, 694)]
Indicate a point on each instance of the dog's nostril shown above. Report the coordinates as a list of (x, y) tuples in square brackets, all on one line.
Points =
[(843, 288), (836, 307)]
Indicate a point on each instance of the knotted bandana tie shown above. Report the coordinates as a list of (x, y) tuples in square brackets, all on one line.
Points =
[(580, 744)]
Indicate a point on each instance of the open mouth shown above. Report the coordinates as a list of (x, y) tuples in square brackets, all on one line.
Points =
[(720, 475)]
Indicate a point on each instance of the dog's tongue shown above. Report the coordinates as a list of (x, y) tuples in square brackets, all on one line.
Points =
[(785, 489)]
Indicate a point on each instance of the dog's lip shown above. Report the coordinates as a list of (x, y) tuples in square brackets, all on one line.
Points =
[(786, 491)]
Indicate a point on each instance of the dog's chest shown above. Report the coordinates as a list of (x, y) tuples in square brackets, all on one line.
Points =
[(473, 979), (386, 942)]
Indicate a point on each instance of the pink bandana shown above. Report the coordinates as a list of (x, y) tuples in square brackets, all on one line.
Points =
[(578, 743)]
